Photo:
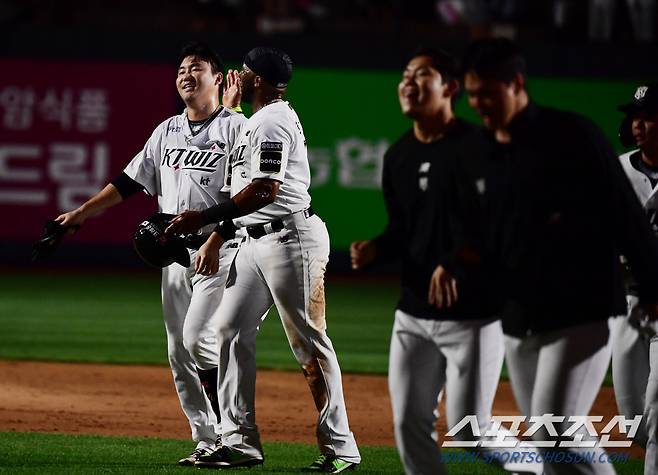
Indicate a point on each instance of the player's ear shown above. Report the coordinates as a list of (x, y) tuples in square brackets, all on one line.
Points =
[(452, 88), (219, 79)]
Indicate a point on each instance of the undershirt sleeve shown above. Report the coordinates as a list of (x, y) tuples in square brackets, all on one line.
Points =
[(126, 186)]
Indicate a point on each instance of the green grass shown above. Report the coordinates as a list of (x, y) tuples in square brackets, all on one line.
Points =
[(116, 318), (67, 454)]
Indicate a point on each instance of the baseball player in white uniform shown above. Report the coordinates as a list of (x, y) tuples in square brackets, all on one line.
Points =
[(631, 334), (183, 164), (281, 261)]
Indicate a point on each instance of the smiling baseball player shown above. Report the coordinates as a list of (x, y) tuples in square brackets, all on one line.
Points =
[(450, 347), (281, 261), (183, 165)]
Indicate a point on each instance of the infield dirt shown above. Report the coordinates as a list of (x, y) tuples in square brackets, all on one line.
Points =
[(141, 401)]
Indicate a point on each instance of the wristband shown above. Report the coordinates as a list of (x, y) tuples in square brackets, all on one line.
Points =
[(220, 212), (226, 229)]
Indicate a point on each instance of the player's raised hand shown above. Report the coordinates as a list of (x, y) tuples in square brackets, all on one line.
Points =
[(232, 90), (362, 253), (443, 289), (185, 223)]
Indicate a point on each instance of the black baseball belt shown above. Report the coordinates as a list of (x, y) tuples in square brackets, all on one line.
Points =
[(257, 231)]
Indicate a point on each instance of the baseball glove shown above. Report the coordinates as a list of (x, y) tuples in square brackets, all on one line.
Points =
[(53, 233)]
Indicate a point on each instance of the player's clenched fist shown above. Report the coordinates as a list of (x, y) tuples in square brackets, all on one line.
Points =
[(443, 289), (72, 218), (362, 253)]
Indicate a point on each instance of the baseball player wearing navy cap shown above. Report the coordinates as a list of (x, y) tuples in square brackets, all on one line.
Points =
[(631, 335), (556, 250), (183, 165), (282, 259)]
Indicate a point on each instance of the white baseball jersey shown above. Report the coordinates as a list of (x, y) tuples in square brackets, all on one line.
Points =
[(185, 171), (272, 145), (645, 192), (629, 335)]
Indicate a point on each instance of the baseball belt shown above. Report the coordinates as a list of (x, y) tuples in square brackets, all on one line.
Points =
[(257, 231)]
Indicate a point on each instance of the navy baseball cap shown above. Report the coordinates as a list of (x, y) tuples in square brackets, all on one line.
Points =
[(645, 99), (272, 64)]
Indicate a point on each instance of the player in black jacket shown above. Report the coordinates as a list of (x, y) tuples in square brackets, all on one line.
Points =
[(558, 212), (446, 334)]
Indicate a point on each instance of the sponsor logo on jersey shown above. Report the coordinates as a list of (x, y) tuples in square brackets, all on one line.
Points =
[(271, 146), (270, 156), (201, 160)]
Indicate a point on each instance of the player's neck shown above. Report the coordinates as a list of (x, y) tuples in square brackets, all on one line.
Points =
[(502, 133), (650, 157), (261, 101), (427, 130), (202, 111)]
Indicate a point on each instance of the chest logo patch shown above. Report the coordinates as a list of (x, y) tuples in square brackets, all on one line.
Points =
[(423, 179), (205, 161), (270, 156), (481, 185)]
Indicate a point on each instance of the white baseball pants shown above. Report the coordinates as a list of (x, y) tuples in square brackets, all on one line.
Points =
[(189, 304), (651, 412), (629, 338), (464, 357), (560, 373), (284, 268)]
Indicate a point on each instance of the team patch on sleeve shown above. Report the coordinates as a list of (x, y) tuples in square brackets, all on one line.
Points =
[(270, 156)]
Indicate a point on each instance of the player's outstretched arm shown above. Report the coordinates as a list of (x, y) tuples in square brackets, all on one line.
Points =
[(257, 194), (104, 199)]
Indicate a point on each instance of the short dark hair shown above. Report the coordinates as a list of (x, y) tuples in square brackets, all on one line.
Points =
[(446, 64), (494, 58), (205, 52)]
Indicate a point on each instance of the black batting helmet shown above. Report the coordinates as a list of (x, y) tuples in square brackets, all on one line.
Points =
[(157, 249)]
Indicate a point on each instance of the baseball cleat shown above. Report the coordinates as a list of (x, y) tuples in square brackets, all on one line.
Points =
[(227, 457), (193, 457), (330, 464)]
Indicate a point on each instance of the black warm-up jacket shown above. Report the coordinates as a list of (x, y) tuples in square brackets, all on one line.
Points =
[(558, 211), (432, 207)]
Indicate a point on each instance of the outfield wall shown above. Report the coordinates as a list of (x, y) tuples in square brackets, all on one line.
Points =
[(67, 127)]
